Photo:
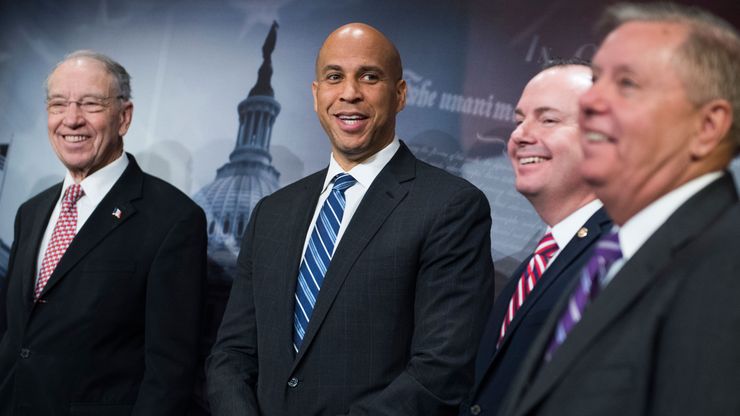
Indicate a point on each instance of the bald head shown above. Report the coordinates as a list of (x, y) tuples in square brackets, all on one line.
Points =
[(362, 40), (358, 91)]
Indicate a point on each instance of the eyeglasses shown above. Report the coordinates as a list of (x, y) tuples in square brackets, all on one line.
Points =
[(88, 105)]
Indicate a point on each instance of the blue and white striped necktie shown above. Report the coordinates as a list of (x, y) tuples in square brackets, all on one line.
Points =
[(318, 255)]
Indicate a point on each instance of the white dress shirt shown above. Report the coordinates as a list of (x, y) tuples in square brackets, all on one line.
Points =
[(95, 186), (565, 230), (365, 173)]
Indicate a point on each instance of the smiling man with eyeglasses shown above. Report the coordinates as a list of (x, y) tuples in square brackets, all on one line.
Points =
[(106, 272)]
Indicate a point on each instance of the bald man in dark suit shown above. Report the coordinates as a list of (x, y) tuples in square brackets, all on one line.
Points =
[(405, 278)]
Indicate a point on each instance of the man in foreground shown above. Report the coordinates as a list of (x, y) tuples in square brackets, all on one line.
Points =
[(650, 328), (361, 288)]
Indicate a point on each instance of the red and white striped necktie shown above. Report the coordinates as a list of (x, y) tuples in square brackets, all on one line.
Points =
[(64, 232), (536, 266)]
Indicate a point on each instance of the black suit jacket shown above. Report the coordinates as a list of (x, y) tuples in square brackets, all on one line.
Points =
[(662, 338), (115, 331), (398, 317), (496, 368)]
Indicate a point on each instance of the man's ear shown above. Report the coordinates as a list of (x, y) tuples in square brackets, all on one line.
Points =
[(126, 115), (715, 119), (314, 87), (401, 93)]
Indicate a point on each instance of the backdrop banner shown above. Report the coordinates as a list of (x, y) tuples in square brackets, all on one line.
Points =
[(223, 107)]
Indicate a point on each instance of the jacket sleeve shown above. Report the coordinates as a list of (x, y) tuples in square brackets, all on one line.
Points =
[(174, 304), (232, 366)]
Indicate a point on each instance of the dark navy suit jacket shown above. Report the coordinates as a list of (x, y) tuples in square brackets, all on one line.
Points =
[(116, 329), (399, 315), (495, 369)]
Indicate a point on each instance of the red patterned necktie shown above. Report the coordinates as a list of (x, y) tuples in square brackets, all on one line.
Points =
[(64, 232), (536, 266)]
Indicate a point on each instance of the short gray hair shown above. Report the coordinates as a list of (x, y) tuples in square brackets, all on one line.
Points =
[(708, 61), (119, 73)]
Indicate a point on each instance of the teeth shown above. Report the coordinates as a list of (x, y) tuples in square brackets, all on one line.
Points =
[(351, 120), (530, 160), (593, 136), (74, 139)]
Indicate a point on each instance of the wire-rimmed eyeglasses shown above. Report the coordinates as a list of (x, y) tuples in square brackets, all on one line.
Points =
[(88, 104)]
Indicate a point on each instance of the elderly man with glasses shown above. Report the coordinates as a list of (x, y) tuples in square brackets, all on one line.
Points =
[(103, 298)]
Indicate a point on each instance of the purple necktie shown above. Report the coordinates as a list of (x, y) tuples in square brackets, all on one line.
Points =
[(606, 253)]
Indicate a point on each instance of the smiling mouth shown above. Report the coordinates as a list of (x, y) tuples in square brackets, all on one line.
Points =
[(74, 138), (531, 160), (351, 119), (596, 137)]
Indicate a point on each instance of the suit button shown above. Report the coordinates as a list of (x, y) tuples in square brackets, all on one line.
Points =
[(293, 382), (475, 409), (25, 353)]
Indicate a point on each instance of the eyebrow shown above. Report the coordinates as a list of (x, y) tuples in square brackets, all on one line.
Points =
[(537, 111), (331, 68), (362, 69), (626, 68), (541, 110), (82, 97)]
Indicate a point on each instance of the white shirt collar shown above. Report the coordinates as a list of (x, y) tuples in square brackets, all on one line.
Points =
[(367, 170), (565, 230), (634, 232), (97, 185)]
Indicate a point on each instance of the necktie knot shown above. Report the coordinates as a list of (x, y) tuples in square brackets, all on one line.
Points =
[(608, 248), (343, 181), (72, 194), (547, 246)]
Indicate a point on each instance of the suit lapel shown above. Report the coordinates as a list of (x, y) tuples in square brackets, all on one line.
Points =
[(41, 217), (487, 350), (115, 209), (570, 253), (386, 192), (630, 283), (595, 225)]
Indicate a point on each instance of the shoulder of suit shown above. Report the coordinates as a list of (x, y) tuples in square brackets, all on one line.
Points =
[(167, 195), (44, 196), (314, 179), (442, 180)]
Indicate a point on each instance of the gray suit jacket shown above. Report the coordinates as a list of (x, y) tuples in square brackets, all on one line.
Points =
[(663, 337), (399, 315)]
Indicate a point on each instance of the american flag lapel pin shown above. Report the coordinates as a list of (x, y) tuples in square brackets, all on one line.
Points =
[(117, 213)]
